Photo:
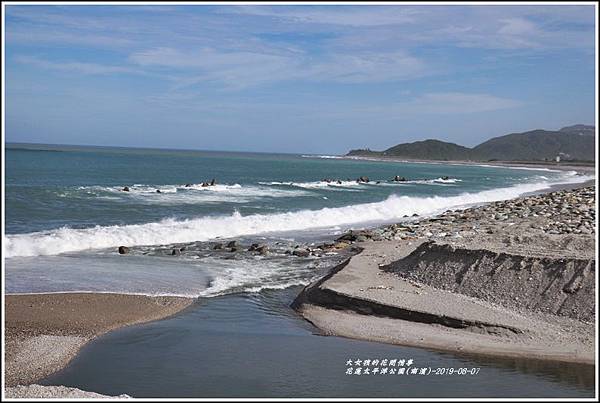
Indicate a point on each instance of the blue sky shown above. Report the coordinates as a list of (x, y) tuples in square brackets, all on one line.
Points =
[(306, 78)]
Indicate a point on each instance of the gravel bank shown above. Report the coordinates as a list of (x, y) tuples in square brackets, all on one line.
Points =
[(512, 278), (53, 392), (43, 332)]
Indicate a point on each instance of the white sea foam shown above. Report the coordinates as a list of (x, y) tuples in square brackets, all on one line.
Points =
[(205, 228), (333, 185), (195, 193), (333, 157)]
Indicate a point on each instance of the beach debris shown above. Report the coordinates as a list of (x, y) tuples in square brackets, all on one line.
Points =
[(123, 250)]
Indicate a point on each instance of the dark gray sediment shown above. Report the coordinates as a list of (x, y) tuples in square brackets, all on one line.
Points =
[(512, 278)]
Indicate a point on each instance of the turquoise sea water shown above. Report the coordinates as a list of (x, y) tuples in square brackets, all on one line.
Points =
[(66, 212)]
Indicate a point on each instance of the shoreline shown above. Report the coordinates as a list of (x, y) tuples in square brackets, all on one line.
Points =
[(541, 165), (44, 332), (400, 289), (30, 336)]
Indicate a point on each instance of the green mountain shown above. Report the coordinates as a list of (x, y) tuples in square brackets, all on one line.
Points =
[(537, 145), (575, 142)]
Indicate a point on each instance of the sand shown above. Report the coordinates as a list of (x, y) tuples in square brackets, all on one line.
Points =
[(54, 392), (494, 280), (45, 331)]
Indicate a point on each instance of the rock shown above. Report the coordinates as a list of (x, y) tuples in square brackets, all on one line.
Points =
[(158, 191), (263, 250), (123, 250), (253, 247), (212, 182), (234, 249), (126, 189), (188, 185), (218, 246), (232, 244), (301, 252), (175, 252)]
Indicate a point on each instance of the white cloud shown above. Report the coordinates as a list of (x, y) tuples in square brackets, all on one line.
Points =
[(77, 67), (242, 69), (334, 14)]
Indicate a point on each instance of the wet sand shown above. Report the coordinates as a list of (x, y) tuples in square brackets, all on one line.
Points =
[(512, 278), (43, 332)]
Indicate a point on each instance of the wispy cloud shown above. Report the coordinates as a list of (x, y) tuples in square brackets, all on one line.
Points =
[(75, 67), (333, 15), (243, 69)]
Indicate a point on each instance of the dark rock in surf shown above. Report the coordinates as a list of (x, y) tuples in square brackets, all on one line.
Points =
[(218, 246), (123, 250), (175, 252), (301, 252), (263, 250), (126, 189), (232, 244)]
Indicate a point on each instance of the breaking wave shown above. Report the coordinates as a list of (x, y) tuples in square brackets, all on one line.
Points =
[(205, 228)]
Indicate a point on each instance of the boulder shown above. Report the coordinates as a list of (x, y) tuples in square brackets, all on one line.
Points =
[(232, 244), (301, 252), (123, 250), (212, 182), (253, 247), (263, 250), (218, 246), (126, 189), (158, 191), (175, 252)]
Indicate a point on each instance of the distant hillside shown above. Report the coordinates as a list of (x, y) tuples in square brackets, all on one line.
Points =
[(537, 145), (430, 149), (575, 142), (580, 129)]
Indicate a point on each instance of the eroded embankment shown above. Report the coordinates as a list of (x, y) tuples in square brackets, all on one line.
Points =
[(559, 286), (328, 298)]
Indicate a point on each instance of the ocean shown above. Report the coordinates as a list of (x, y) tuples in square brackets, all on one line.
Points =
[(67, 213)]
